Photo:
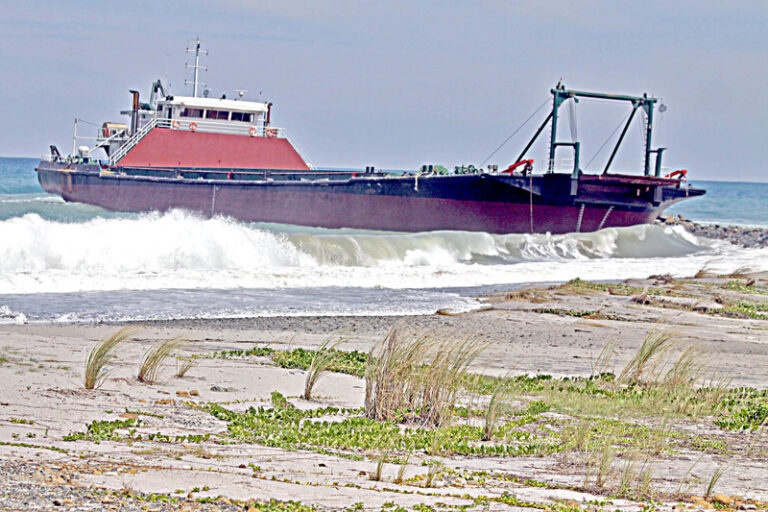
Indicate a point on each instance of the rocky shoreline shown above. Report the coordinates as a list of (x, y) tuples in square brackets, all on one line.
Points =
[(745, 236)]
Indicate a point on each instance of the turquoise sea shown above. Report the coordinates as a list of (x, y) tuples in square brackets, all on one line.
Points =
[(63, 262)]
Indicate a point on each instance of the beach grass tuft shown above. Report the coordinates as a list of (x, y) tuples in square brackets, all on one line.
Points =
[(101, 355), (154, 358), (647, 364), (184, 364), (743, 272), (496, 405), (324, 359), (704, 272), (417, 376)]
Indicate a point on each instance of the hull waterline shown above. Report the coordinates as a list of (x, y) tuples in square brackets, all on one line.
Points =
[(482, 202)]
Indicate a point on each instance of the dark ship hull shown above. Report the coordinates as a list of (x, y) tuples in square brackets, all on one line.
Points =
[(488, 202)]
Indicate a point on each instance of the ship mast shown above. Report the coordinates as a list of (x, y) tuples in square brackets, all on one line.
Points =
[(196, 67)]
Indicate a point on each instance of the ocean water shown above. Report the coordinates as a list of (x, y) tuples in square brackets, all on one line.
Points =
[(64, 262)]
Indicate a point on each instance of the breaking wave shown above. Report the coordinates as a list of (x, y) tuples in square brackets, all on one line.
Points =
[(180, 250)]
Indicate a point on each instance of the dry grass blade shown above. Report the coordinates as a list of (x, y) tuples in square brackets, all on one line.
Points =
[(605, 359), (101, 355), (713, 481), (376, 475), (686, 371), (154, 358), (324, 358), (647, 363), (704, 272), (741, 272), (418, 374), (184, 364), (496, 406), (605, 464)]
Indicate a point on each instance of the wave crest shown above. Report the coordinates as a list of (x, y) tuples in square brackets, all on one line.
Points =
[(180, 250)]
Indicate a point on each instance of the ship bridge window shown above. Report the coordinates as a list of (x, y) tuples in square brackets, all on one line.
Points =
[(192, 112), (217, 114), (246, 117)]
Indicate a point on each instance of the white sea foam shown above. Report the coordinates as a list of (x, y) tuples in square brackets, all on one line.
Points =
[(8, 316), (180, 250)]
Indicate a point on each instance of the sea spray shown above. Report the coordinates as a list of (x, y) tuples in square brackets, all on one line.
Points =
[(181, 250)]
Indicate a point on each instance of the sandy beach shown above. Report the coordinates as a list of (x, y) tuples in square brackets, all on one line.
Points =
[(195, 465)]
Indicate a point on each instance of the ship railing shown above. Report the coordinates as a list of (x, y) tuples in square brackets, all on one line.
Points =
[(206, 125), (282, 132), (132, 141)]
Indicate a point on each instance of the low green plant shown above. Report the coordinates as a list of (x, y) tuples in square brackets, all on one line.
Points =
[(32, 446), (345, 432), (579, 285), (98, 431), (750, 416), (154, 358), (748, 287), (590, 314), (352, 362), (744, 309), (101, 355)]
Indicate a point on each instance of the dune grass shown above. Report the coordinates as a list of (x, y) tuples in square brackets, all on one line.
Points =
[(154, 358), (496, 409), (325, 358), (184, 364), (101, 355), (417, 375), (649, 361)]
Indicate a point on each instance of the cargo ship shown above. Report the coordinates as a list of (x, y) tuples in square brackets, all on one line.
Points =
[(219, 156)]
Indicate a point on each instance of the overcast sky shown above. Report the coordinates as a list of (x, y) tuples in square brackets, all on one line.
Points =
[(396, 84)]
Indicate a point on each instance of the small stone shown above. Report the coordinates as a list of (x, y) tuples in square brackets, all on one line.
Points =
[(194, 392), (703, 504), (182, 393), (722, 499)]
